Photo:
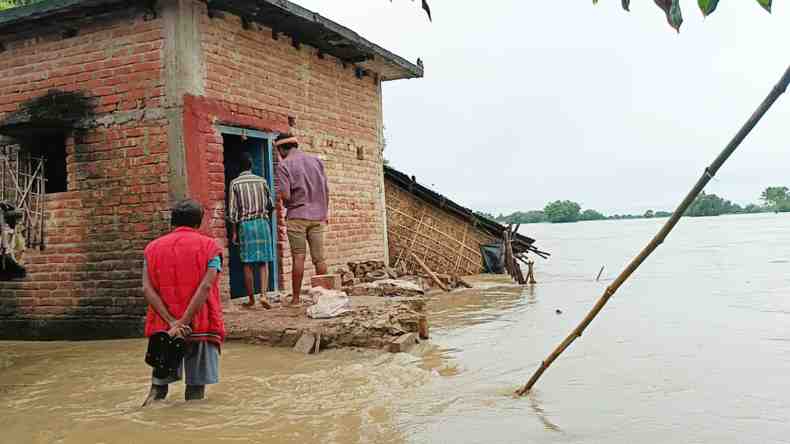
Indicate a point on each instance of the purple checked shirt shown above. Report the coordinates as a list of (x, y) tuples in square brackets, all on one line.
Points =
[(303, 186)]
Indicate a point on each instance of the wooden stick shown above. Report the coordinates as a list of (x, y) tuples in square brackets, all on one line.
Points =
[(659, 238), (599, 274), (430, 273), (460, 253), (414, 239)]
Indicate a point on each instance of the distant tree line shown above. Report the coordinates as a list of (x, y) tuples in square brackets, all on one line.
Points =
[(8, 4), (773, 199)]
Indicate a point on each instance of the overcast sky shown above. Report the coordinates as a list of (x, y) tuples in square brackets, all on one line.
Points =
[(525, 102)]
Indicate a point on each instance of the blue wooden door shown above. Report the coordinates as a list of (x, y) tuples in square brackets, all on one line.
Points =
[(260, 149)]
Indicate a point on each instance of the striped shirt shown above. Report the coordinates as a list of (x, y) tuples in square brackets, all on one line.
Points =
[(249, 198)]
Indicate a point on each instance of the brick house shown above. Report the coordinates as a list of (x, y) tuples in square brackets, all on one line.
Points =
[(180, 88)]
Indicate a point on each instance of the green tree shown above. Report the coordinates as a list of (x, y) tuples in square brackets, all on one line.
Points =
[(712, 205), (753, 208), (591, 215), (649, 214), (488, 216), (523, 217), (777, 198), (562, 211)]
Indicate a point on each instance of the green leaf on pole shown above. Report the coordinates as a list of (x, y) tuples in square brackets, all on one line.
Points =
[(627, 5), (765, 4), (672, 10), (708, 6)]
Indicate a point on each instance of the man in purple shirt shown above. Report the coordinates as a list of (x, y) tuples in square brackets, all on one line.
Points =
[(305, 194)]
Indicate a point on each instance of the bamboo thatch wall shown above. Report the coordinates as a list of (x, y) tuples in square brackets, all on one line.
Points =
[(445, 241)]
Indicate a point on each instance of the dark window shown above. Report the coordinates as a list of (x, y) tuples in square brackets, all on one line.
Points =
[(52, 148)]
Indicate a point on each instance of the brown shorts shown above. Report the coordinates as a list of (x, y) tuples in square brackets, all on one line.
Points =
[(302, 232)]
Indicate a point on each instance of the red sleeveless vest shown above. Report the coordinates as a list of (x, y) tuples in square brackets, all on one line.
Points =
[(176, 264)]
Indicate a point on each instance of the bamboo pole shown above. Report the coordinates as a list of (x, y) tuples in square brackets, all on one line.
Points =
[(659, 238), (430, 273), (416, 234)]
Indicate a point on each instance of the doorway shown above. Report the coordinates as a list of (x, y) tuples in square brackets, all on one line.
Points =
[(259, 144)]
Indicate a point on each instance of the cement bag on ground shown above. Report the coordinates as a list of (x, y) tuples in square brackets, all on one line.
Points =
[(331, 303)]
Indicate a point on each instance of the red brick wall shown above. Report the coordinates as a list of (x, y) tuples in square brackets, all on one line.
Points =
[(335, 113), (87, 281), (205, 167)]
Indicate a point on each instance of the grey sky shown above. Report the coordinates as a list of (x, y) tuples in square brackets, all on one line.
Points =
[(530, 101)]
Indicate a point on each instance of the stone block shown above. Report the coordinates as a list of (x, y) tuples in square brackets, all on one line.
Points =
[(305, 344), (404, 343), (289, 337), (328, 281)]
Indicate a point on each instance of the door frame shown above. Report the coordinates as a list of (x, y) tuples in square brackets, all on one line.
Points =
[(268, 166)]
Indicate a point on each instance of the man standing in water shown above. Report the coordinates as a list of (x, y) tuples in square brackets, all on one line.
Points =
[(250, 208), (181, 287), (305, 194)]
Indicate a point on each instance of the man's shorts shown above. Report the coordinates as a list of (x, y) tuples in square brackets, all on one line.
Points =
[(201, 363), (302, 232)]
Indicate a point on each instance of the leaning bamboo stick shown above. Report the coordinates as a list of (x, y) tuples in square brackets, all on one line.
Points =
[(777, 91), (429, 272)]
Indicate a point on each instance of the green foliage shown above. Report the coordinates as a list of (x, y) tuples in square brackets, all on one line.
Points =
[(488, 216), (712, 205), (591, 215), (674, 14), (777, 198), (8, 4), (562, 211), (708, 6), (524, 217), (753, 208)]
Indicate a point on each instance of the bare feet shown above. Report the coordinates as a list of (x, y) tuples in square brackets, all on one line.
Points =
[(264, 303), (292, 301), (249, 304)]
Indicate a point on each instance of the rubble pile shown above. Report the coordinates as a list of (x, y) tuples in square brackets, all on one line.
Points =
[(374, 278)]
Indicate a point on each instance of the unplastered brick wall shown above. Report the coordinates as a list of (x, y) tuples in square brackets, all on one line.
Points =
[(86, 283), (336, 115)]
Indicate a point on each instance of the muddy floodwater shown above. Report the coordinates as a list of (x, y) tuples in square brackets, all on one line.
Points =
[(695, 349)]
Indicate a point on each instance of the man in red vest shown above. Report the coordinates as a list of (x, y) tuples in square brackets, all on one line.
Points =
[(181, 287)]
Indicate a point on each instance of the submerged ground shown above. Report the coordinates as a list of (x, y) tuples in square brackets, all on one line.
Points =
[(695, 349)]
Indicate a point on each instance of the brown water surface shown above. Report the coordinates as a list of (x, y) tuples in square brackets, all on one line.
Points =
[(695, 349)]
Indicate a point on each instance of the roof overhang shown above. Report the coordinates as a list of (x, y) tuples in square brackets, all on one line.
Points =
[(282, 16)]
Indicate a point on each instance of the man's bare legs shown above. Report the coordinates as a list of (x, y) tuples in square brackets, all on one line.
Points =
[(264, 272), (296, 277), (249, 284)]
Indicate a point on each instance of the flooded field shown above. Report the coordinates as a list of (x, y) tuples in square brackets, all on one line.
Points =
[(694, 349)]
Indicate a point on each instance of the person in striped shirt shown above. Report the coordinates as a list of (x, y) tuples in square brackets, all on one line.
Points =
[(250, 210)]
